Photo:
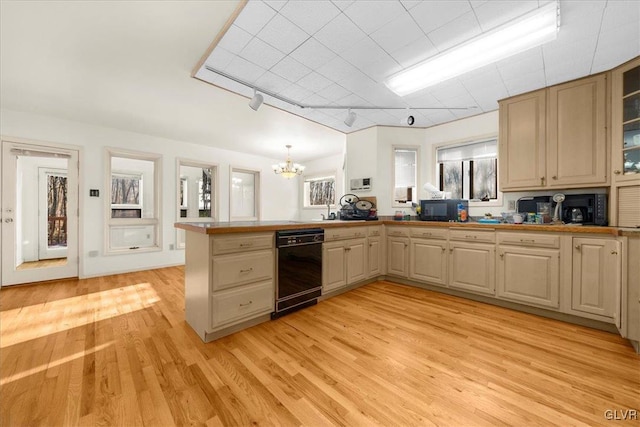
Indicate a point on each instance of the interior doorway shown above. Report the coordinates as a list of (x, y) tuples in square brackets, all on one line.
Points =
[(39, 213)]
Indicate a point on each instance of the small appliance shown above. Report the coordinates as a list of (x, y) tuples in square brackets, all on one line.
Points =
[(353, 208), (588, 209), (442, 209)]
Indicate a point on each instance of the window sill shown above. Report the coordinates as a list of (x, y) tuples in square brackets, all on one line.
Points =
[(128, 251)]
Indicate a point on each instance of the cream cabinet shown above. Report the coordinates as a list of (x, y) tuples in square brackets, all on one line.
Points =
[(596, 277), (555, 137), (376, 252), (528, 269), (624, 197), (343, 262), (428, 255), (398, 251), (472, 267), (229, 281)]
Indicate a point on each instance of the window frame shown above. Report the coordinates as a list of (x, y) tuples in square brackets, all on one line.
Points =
[(414, 197), (316, 176), (498, 201), (256, 193), (156, 221)]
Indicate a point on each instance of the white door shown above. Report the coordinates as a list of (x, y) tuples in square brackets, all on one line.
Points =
[(21, 258), (52, 218)]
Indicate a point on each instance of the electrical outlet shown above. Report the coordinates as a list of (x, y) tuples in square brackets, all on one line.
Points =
[(171, 247), (512, 205)]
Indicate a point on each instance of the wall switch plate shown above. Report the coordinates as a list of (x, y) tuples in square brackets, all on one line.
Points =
[(512, 205), (94, 193)]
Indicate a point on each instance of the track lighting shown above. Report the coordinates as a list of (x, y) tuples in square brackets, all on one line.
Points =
[(351, 118), (256, 101)]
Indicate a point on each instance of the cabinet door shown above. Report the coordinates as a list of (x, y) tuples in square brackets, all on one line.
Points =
[(596, 280), (576, 138), (472, 267), (529, 275), (428, 261), (333, 266), (375, 257), (397, 262), (522, 141), (356, 258)]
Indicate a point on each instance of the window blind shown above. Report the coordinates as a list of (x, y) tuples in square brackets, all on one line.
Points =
[(476, 150)]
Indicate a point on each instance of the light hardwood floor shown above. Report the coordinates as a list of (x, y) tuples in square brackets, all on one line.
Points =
[(116, 351)]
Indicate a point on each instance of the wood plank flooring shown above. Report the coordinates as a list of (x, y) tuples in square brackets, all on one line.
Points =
[(116, 351)]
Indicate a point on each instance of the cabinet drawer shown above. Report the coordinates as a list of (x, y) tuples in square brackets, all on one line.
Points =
[(242, 303), (473, 235), (430, 233), (398, 231), (235, 270), (344, 233), (374, 231), (242, 243), (524, 239)]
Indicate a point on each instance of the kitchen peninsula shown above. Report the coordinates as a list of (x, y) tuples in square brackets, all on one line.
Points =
[(580, 274)]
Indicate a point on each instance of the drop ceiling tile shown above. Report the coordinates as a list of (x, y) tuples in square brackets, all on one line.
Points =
[(354, 100), (310, 15), (231, 85), (315, 99), (492, 14), (314, 82), (337, 69), (275, 4), (334, 92), (219, 58), (261, 54), (487, 96), (616, 47), (377, 116), (340, 34), (254, 16), (450, 89), (568, 61), (460, 30), (295, 93), (370, 16), (439, 116), (434, 14), (282, 34), (364, 52), (313, 54), (244, 70), (414, 52), (482, 77), (410, 4), (272, 82), (342, 4), (398, 33), (521, 63), (461, 114), (535, 79), (290, 69), (235, 39), (619, 13)]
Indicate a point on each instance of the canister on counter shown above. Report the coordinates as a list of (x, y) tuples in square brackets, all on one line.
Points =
[(531, 217)]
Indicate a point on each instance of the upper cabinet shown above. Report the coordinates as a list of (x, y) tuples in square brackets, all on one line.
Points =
[(625, 145), (555, 137)]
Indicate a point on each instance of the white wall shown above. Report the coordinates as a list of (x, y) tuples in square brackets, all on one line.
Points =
[(279, 197)]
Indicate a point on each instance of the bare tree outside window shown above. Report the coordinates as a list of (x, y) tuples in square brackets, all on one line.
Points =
[(57, 210), (319, 191), (451, 178), (485, 180), (125, 196)]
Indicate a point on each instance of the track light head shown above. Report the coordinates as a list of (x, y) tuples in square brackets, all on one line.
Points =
[(411, 120), (351, 118), (256, 101)]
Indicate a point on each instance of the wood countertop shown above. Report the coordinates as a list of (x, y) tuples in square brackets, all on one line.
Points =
[(263, 226)]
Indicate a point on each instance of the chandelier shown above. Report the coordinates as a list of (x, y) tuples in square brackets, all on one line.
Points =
[(288, 169)]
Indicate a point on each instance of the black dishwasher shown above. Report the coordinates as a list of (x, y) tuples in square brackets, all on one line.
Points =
[(299, 269)]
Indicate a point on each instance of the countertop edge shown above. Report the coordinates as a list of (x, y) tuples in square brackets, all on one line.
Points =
[(229, 228)]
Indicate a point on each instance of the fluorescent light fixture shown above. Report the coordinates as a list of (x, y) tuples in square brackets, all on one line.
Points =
[(528, 31), (256, 101), (351, 118)]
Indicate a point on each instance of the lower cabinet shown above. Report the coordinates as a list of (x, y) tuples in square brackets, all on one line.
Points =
[(472, 267), (375, 257), (343, 263), (428, 261), (398, 256), (529, 275), (596, 277)]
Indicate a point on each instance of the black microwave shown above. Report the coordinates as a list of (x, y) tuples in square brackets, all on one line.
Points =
[(443, 210)]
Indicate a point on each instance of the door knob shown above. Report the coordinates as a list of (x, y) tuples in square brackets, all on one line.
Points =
[(8, 220)]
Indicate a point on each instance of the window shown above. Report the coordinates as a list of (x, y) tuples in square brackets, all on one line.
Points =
[(196, 196), (469, 171), (319, 191), (133, 202), (405, 176), (244, 194)]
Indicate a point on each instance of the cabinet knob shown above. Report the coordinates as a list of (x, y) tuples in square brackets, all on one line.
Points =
[(246, 304), (443, 249), (501, 256), (617, 172), (577, 247), (614, 252), (542, 180), (554, 177)]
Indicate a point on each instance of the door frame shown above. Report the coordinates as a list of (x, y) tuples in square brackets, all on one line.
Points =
[(81, 188)]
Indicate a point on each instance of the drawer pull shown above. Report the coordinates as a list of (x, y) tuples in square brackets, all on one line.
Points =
[(247, 270), (527, 240), (443, 249), (502, 256), (470, 237), (246, 304), (246, 245), (614, 252)]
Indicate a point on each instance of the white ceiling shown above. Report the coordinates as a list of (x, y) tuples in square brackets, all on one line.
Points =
[(128, 64), (340, 52)]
